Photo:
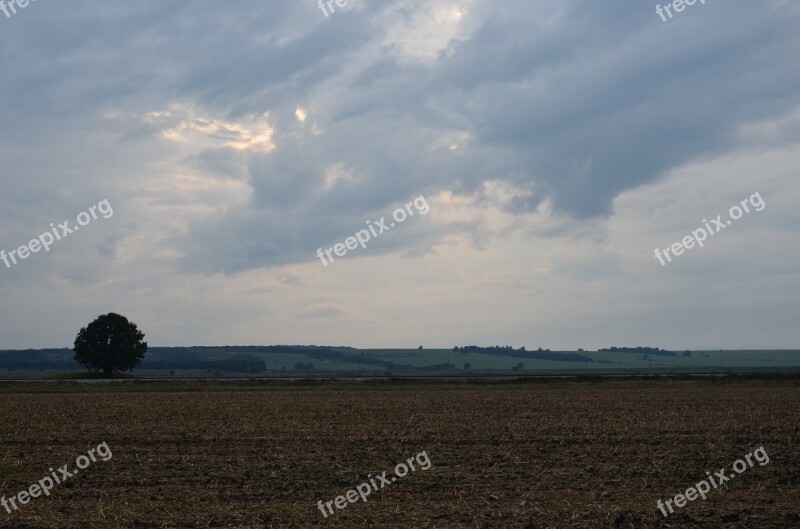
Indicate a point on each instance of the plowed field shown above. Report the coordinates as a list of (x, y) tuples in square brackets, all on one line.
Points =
[(530, 455)]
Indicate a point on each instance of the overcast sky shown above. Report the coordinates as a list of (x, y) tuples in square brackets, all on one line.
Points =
[(558, 143)]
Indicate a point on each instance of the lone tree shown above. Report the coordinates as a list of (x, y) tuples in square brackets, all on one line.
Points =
[(110, 343)]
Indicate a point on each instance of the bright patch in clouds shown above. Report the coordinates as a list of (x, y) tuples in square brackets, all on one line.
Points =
[(423, 30), (454, 141), (186, 126), (336, 173)]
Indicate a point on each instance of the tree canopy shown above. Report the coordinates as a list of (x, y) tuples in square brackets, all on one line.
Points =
[(111, 344)]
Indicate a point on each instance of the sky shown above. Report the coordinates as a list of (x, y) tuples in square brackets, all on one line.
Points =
[(553, 146)]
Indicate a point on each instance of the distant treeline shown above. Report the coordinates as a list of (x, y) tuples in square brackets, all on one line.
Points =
[(322, 352), (539, 354), (225, 358), (252, 348), (639, 350), (38, 359)]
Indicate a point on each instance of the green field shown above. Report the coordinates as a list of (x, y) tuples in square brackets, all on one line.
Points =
[(602, 360), (779, 358)]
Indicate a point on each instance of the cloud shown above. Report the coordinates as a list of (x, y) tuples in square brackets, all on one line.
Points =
[(235, 142)]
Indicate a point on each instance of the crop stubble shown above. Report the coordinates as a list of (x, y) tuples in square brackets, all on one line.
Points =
[(557, 455)]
